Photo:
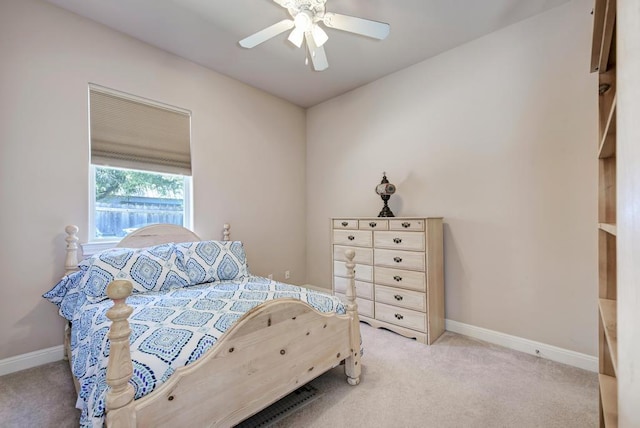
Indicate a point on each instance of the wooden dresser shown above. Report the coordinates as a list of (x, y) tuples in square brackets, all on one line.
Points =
[(399, 272)]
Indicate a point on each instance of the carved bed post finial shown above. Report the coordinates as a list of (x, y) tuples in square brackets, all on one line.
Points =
[(352, 364), (226, 234), (351, 275), (71, 261), (120, 367)]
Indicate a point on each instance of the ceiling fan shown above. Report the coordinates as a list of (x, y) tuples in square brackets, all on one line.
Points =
[(307, 15)]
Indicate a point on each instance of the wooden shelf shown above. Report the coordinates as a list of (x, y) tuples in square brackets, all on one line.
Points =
[(608, 142), (608, 313), (611, 229), (609, 400), (604, 23)]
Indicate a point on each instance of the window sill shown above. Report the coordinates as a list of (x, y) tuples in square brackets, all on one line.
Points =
[(91, 248)]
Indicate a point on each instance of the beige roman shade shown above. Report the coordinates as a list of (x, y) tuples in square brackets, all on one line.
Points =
[(133, 133)]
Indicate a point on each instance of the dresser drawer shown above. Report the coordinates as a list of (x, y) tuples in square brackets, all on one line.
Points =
[(399, 259), (403, 298), (345, 223), (363, 255), (413, 241), (409, 279), (356, 238), (363, 289), (400, 316), (363, 272), (373, 224), (410, 224), (365, 307)]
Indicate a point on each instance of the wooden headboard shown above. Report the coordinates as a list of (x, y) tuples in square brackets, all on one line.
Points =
[(154, 234)]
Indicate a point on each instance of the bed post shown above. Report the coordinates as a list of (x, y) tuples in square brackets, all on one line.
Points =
[(71, 261), (120, 367), (352, 366), (226, 234), (70, 265)]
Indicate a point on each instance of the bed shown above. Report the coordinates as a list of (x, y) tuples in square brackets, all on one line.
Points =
[(268, 348)]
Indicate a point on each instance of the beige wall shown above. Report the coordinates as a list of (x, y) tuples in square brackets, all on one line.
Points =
[(243, 143), (498, 136)]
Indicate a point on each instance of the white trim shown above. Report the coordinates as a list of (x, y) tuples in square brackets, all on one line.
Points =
[(317, 288), (554, 353), (92, 200), (91, 248), (187, 218), (31, 359)]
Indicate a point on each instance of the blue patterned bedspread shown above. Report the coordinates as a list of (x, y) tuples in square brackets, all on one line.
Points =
[(169, 330)]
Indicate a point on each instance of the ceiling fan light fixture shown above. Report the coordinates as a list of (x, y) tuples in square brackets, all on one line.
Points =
[(303, 21), (296, 36), (319, 35)]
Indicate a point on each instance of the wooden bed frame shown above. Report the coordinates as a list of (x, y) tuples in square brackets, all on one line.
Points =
[(269, 352)]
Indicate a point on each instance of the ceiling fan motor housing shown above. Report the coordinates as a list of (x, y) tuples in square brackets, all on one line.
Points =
[(315, 7)]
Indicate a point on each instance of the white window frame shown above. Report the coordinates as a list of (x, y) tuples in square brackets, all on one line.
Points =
[(97, 244)]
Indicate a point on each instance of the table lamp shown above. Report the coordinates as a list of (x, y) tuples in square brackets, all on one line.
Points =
[(385, 190)]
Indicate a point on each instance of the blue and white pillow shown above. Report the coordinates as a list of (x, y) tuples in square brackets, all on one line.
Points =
[(65, 294), (149, 269), (209, 261)]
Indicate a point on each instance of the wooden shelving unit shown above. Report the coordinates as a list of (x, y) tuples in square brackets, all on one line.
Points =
[(608, 317), (603, 61), (609, 228), (608, 400)]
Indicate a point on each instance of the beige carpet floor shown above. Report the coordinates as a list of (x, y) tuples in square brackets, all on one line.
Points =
[(456, 382)]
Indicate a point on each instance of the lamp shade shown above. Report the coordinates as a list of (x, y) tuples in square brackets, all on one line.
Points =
[(385, 189)]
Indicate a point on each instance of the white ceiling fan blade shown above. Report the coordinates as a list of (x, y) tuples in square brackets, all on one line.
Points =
[(365, 27), (264, 35), (318, 56)]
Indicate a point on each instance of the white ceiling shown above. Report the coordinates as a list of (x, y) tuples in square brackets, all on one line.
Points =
[(207, 32)]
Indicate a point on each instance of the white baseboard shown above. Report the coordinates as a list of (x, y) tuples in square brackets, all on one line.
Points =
[(31, 359), (527, 346), (561, 355), (317, 288)]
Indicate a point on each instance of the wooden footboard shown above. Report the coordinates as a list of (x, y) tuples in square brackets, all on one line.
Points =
[(269, 352)]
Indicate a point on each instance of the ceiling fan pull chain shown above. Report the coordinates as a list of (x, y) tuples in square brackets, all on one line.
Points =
[(306, 52)]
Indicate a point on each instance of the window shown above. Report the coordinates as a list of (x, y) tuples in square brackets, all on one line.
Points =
[(140, 164), (124, 200)]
